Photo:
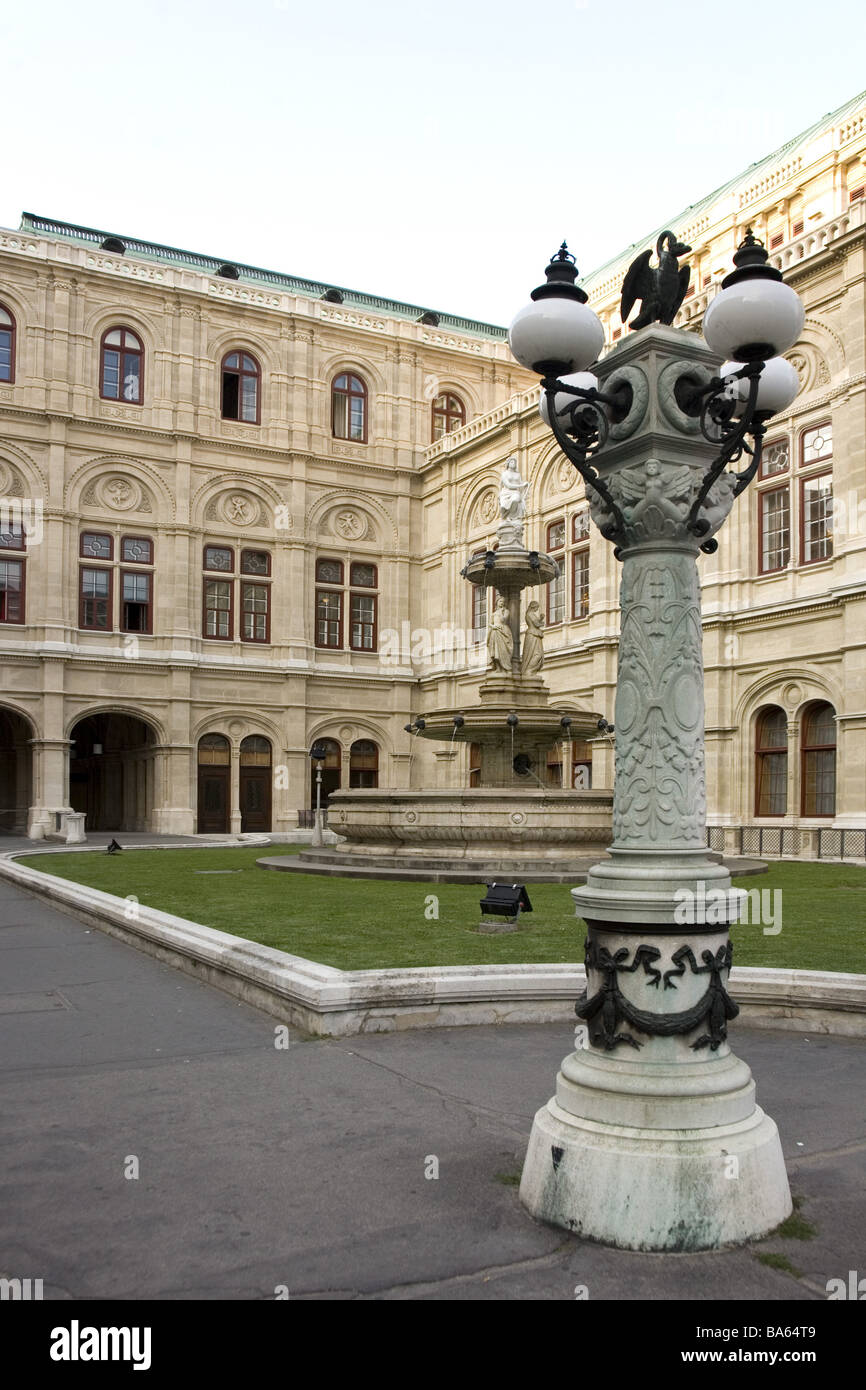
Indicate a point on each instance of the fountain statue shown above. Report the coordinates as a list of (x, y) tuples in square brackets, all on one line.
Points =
[(533, 650), (511, 820), (500, 640)]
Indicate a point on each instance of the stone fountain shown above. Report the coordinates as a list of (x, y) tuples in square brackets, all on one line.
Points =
[(512, 823)]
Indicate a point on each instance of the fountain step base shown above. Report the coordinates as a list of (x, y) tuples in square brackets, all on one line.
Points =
[(431, 868), (656, 1189), (508, 867)]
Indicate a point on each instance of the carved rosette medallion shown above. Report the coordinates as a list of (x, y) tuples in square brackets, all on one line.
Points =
[(121, 494), (350, 525), (238, 509)]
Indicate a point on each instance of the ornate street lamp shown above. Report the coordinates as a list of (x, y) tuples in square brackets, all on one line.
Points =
[(318, 754), (653, 1139)]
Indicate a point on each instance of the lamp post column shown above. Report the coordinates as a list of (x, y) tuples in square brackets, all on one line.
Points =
[(653, 1140)]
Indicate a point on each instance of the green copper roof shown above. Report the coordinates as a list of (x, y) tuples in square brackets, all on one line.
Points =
[(290, 284), (688, 214)]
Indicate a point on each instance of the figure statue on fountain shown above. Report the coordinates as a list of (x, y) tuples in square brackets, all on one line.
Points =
[(533, 650), (500, 639), (512, 504)]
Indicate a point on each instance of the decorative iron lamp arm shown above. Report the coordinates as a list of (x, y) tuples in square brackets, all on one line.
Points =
[(589, 430), (719, 425)]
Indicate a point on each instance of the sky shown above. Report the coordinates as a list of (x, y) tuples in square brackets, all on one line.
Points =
[(435, 153)]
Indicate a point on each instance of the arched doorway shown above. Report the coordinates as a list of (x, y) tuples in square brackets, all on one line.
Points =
[(112, 771), (330, 772), (16, 772), (214, 784), (255, 783), (364, 763)]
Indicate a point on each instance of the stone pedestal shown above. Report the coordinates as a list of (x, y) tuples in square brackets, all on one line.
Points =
[(75, 828), (653, 1140)]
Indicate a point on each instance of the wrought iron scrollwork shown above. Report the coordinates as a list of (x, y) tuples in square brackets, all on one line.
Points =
[(718, 406), (585, 432)]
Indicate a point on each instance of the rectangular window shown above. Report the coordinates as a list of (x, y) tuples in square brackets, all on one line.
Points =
[(580, 583), (95, 600), (96, 546), (329, 571), (816, 515), (11, 591), (555, 536), (5, 354), (775, 529), (218, 609), (479, 613), (219, 557), (774, 459), (255, 562), (255, 611), (12, 536), (136, 550), (136, 610), (329, 619), (772, 798), (817, 444), (556, 589), (819, 782), (556, 595), (362, 576), (363, 625)]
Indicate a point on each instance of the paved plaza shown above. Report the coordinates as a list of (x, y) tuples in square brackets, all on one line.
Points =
[(304, 1168)]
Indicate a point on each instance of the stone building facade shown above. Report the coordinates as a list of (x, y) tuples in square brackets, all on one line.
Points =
[(784, 598), (236, 506), (210, 479)]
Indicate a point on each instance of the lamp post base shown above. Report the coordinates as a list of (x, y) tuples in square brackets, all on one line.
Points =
[(684, 1184)]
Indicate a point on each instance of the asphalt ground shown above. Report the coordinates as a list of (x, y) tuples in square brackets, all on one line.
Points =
[(303, 1170)]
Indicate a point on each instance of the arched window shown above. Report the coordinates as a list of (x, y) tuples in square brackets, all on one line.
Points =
[(7, 345), (240, 388), (449, 413), (771, 762), (818, 780), (349, 408), (214, 750), (121, 367), (364, 763)]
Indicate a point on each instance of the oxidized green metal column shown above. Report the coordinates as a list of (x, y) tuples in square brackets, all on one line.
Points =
[(653, 1140)]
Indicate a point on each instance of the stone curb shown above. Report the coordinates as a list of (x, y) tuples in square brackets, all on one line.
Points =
[(326, 1002)]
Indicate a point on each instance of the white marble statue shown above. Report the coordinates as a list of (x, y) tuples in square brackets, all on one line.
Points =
[(533, 651), (500, 639), (512, 493)]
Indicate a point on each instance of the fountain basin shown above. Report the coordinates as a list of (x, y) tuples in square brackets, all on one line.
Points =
[(475, 834)]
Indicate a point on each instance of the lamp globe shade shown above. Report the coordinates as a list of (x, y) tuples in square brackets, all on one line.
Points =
[(756, 316), (754, 319), (778, 387), (557, 332), (562, 401)]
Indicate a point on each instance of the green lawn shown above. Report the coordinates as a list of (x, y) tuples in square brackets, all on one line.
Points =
[(359, 925)]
